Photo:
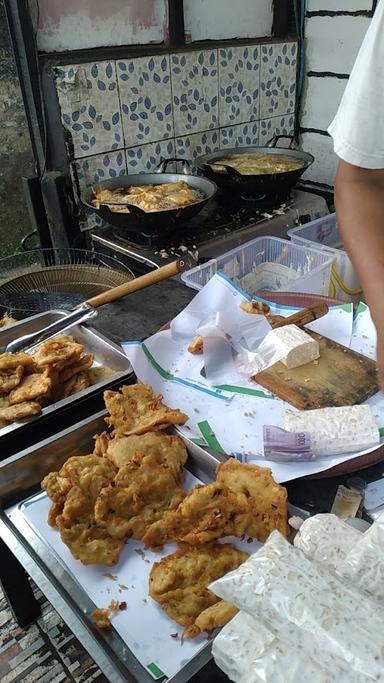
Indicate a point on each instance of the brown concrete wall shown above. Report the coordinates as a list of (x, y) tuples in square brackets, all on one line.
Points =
[(15, 149)]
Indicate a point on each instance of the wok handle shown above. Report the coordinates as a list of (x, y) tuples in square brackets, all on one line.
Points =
[(185, 165), (273, 142), (307, 315), (135, 285)]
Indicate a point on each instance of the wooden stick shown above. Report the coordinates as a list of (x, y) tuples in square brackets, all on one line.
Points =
[(141, 282), (307, 315)]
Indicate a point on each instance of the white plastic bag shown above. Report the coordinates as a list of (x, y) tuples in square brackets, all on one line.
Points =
[(363, 565), (326, 539), (308, 608)]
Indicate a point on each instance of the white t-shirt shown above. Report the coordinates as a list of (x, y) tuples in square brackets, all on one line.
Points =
[(358, 127)]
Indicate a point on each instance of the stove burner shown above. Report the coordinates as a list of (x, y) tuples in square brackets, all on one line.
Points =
[(259, 198)]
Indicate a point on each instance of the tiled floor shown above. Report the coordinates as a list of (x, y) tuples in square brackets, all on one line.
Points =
[(47, 652)]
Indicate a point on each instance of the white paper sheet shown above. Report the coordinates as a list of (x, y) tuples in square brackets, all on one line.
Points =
[(230, 417), (143, 626)]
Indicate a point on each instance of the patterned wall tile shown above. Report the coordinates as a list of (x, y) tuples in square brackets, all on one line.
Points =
[(146, 99), (240, 136), (192, 146), (145, 158), (239, 75), (195, 91), (90, 107), (278, 125), (95, 169), (277, 79)]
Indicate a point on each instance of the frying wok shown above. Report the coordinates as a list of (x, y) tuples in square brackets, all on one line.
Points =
[(231, 180), (159, 221)]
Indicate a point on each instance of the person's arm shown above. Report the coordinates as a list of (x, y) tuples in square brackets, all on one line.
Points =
[(359, 197)]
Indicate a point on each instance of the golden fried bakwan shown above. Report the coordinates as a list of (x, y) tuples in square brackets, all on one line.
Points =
[(31, 387), (83, 363), (170, 450), (135, 409), (19, 411), (10, 378), (7, 320), (57, 349), (179, 584), (267, 501), (207, 513), (142, 491), (12, 360)]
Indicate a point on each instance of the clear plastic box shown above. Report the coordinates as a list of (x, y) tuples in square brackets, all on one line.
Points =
[(268, 263), (323, 234)]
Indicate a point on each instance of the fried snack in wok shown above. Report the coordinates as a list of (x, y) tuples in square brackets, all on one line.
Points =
[(169, 450), (208, 512), (179, 584), (32, 386), (11, 378), (268, 501), (73, 491), (196, 346), (135, 409), (142, 491), (149, 198), (56, 350), (255, 307), (19, 411)]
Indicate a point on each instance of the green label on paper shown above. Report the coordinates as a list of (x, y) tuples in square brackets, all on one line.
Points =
[(210, 436), (361, 308), (155, 671), (381, 431), (242, 390)]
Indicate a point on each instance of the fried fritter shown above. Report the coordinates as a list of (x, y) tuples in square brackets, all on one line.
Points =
[(99, 373), (71, 386), (207, 513), (32, 386), (102, 442), (84, 363), (56, 350), (19, 411), (12, 360), (257, 307), (74, 490), (179, 584), (215, 616), (7, 320), (169, 450), (11, 378), (142, 491), (196, 346), (136, 410), (268, 501)]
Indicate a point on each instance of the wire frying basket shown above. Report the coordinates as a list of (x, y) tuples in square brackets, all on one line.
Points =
[(45, 279)]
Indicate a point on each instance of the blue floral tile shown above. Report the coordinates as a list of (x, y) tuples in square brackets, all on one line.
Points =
[(278, 79), (239, 76), (90, 107), (242, 135), (195, 91), (145, 158), (192, 146), (146, 99), (96, 169), (279, 125)]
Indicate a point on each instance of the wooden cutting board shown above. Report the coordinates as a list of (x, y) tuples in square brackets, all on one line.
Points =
[(340, 377)]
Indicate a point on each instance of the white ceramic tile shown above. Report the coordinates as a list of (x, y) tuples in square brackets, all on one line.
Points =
[(90, 107), (146, 99), (278, 125), (277, 79), (239, 75), (145, 158), (195, 91), (242, 135), (95, 169)]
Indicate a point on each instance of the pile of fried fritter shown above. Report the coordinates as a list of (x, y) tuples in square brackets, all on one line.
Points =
[(131, 487), (58, 368)]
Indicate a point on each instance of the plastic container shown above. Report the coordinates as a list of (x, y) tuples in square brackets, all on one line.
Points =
[(268, 263), (323, 234)]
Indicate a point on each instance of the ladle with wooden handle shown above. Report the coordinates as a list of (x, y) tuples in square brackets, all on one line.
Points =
[(87, 310)]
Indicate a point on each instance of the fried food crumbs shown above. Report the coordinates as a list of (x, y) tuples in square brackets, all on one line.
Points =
[(113, 577), (140, 552), (175, 636), (122, 587), (122, 606), (100, 616), (257, 307)]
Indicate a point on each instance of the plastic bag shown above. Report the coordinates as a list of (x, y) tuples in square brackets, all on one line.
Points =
[(364, 564), (326, 539), (249, 653), (308, 608)]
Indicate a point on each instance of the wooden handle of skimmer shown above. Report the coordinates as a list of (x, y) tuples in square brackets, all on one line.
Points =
[(141, 282), (307, 315)]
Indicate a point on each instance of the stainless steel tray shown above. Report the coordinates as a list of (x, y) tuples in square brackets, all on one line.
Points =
[(20, 476), (105, 351)]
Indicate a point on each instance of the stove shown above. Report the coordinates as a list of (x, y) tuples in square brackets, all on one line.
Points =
[(221, 225)]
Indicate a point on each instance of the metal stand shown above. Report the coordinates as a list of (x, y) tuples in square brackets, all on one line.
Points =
[(17, 588)]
